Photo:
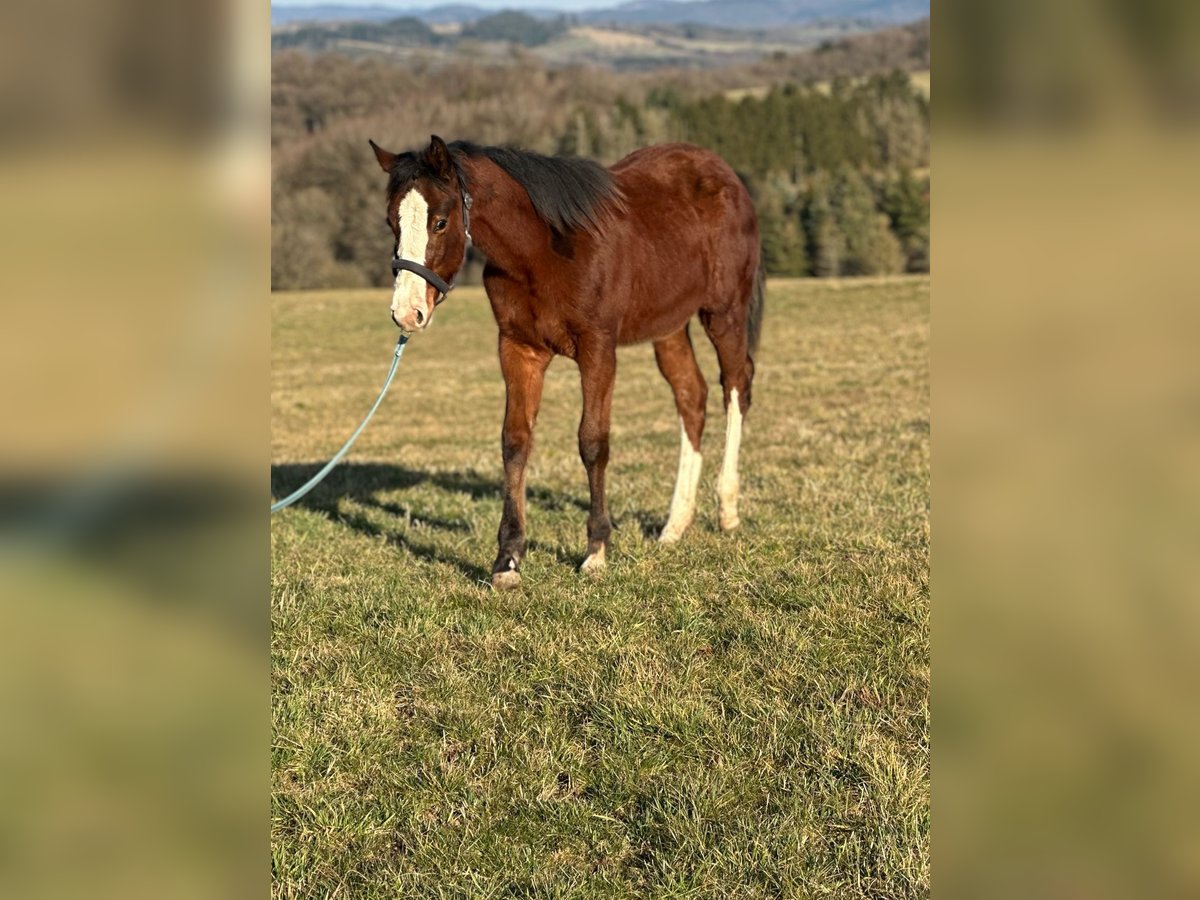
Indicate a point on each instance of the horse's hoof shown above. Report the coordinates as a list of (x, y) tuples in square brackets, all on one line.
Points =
[(594, 565), (669, 536), (506, 581), (729, 521)]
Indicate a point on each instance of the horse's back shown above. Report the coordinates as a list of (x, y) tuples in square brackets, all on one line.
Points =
[(680, 175), (692, 235)]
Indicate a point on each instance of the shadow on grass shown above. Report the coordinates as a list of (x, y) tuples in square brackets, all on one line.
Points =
[(651, 525), (363, 482)]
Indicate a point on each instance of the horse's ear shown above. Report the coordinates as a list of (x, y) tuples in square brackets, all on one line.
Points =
[(386, 159), (437, 157)]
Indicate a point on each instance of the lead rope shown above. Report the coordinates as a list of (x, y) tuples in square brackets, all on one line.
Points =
[(443, 289), (320, 476)]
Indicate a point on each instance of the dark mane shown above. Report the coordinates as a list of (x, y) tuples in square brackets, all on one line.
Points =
[(568, 193)]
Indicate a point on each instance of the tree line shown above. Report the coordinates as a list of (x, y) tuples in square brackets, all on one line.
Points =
[(831, 170), (838, 170)]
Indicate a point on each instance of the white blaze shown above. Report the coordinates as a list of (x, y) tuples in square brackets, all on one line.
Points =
[(683, 503), (727, 484), (409, 291)]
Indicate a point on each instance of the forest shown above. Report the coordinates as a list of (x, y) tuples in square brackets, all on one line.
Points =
[(833, 144)]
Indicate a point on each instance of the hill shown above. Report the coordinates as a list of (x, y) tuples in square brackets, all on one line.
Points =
[(561, 41), (402, 32), (719, 13), (515, 28)]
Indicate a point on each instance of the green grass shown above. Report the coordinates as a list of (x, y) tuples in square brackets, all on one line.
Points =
[(731, 716)]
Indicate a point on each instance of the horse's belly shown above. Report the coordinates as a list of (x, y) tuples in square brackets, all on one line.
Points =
[(662, 315)]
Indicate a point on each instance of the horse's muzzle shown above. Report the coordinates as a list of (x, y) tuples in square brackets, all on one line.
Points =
[(415, 319)]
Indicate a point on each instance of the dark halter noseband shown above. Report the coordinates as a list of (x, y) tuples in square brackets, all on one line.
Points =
[(443, 287), (399, 265)]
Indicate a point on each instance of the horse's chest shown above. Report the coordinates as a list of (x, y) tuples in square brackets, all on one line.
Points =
[(526, 322)]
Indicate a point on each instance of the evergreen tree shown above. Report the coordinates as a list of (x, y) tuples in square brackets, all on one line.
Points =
[(871, 248), (826, 246), (906, 202), (783, 238), (898, 121)]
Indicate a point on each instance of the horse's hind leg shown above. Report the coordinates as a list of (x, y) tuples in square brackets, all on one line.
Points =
[(729, 336), (677, 362)]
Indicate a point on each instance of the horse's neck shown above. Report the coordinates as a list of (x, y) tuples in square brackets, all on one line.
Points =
[(503, 221)]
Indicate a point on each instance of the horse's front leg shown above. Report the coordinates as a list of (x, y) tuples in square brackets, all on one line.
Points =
[(597, 371), (524, 369)]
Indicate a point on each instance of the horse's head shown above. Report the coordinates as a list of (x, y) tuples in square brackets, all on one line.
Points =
[(427, 210)]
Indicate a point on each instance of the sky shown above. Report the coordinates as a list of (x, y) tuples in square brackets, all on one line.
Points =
[(565, 5)]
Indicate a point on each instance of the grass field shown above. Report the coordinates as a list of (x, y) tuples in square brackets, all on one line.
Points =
[(730, 716)]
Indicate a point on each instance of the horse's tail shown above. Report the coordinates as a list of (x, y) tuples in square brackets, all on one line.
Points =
[(757, 302)]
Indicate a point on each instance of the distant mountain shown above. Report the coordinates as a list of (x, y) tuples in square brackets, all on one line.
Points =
[(286, 15), (455, 13), (446, 14), (747, 14), (756, 13), (460, 13)]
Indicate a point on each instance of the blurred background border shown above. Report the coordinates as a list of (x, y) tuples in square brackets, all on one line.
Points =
[(136, 140)]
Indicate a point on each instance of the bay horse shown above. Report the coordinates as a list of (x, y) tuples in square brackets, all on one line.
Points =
[(581, 259)]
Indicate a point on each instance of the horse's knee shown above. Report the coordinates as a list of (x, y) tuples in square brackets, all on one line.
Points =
[(593, 447), (515, 443), (693, 398)]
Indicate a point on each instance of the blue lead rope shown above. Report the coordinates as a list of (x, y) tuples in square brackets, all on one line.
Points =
[(320, 476)]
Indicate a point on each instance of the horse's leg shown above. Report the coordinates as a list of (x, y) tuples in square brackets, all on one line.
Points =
[(677, 362), (729, 337), (597, 371), (524, 369)]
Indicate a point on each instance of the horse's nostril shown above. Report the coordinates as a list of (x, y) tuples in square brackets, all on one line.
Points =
[(420, 317)]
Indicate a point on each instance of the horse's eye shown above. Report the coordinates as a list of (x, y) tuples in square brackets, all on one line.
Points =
[(440, 225)]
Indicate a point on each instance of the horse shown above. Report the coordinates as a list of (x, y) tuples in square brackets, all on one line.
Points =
[(581, 259)]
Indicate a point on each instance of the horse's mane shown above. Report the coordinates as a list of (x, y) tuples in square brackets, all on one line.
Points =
[(568, 193)]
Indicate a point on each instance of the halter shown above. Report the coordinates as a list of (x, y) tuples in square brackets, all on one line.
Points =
[(443, 287)]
